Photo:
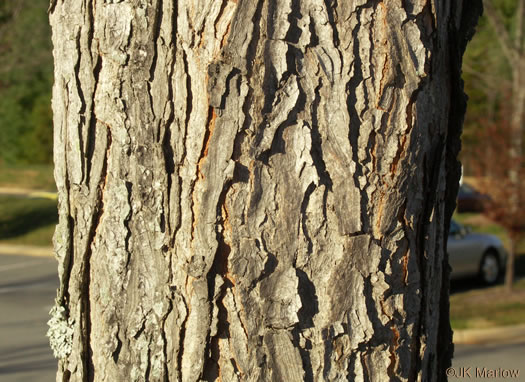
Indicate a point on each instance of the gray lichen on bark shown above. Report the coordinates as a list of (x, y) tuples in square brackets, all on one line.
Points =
[(253, 190), (60, 332)]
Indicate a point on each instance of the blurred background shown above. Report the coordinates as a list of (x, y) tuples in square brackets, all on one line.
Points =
[(26, 138), (487, 313)]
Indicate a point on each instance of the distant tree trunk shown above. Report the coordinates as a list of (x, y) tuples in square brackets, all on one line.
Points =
[(255, 190), (513, 48), (509, 267), (515, 164)]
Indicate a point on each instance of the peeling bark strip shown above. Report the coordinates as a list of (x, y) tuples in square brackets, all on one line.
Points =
[(255, 190)]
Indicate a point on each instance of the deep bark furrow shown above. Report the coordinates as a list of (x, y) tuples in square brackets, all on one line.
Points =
[(316, 151), (86, 325), (224, 3), (210, 126), (189, 103), (98, 209), (168, 128), (63, 237), (157, 24), (82, 110), (92, 121), (331, 10), (180, 350)]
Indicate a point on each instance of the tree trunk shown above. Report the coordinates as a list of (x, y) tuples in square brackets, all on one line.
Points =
[(516, 161), (509, 266), (255, 190)]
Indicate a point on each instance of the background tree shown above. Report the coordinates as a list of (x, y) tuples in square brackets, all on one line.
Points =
[(495, 157), (255, 190), (511, 39), (494, 67), (26, 76)]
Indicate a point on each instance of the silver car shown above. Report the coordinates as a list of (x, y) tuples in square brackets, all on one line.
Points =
[(475, 254)]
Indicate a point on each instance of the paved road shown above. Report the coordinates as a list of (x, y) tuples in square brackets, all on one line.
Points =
[(503, 362), (27, 290)]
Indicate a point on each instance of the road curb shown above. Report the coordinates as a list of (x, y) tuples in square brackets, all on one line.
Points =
[(504, 334), (28, 193), (26, 250)]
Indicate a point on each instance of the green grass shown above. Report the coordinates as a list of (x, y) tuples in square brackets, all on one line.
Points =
[(40, 237), (480, 224), (488, 307), (33, 177), (27, 221)]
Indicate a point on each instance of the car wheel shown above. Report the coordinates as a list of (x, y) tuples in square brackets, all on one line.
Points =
[(489, 268)]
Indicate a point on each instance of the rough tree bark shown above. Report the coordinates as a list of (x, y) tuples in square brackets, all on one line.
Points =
[(255, 190)]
